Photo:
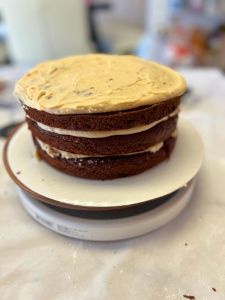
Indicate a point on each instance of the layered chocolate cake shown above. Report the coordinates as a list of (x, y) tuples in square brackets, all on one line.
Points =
[(102, 116)]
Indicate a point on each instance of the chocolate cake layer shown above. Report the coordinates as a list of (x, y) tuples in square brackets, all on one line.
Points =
[(106, 146), (109, 167), (106, 121)]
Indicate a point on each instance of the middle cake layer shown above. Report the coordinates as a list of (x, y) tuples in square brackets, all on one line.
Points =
[(111, 145)]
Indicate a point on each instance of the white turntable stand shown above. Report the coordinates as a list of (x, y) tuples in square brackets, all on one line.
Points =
[(38, 183)]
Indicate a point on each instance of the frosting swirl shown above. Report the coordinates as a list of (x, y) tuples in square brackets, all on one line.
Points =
[(97, 83)]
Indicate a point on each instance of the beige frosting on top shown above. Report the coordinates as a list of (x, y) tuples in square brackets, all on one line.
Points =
[(97, 83)]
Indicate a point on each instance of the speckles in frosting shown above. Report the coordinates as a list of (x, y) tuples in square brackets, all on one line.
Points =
[(84, 93), (97, 83), (52, 70)]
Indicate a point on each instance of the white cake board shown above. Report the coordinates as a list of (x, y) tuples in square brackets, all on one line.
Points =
[(107, 230), (50, 185)]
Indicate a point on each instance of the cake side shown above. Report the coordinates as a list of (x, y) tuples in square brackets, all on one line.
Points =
[(111, 145)]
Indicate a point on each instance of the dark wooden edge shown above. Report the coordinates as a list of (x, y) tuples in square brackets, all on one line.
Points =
[(45, 199)]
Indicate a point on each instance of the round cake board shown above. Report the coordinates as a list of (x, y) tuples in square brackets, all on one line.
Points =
[(107, 230), (54, 187)]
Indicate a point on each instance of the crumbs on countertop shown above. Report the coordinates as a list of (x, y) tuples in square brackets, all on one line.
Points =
[(189, 297)]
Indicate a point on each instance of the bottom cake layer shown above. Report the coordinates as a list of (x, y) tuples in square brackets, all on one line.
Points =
[(109, 167)]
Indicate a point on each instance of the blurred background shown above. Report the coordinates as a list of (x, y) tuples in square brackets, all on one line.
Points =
[(178, 33), (174, 32)]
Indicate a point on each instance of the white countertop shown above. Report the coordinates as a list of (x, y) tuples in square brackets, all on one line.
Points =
[(186, 257)]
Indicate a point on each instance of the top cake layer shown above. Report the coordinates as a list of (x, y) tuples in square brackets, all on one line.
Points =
[(97, 83)]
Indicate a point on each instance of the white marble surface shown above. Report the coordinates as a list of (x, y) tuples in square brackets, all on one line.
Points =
[(187, 256)]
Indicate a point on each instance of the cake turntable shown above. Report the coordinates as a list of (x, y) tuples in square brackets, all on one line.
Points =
[(104, 210)]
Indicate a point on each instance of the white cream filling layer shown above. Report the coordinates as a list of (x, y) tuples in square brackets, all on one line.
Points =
[(53, 152), (102, 134)]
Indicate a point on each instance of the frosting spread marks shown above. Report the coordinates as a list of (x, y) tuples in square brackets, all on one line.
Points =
[(97, 83)]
